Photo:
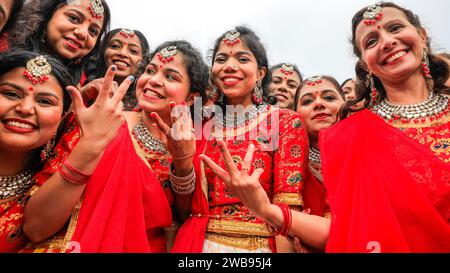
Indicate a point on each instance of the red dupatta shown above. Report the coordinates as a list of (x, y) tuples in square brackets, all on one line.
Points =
[(377, 181), (121, 201), (191, 235)]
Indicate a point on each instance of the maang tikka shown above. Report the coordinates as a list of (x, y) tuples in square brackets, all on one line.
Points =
[(167, 54), (287, 69), (313, 81), (96, 9), (232, 37), (127, 33), (38, 70), (373, 14)]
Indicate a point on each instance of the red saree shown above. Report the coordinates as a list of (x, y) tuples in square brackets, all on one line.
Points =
[(387, 192)]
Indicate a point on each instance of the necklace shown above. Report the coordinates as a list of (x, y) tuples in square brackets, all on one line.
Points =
[(314, 155), (434, 107), (15, 185), (146, 140), (238, 119)]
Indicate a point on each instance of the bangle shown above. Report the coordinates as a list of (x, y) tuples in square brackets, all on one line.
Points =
[(72, 175), (287, 220), (183, 157), (182, 185)]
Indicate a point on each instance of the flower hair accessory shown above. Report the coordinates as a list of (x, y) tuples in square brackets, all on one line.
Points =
[(167, 54), (38, 70), (127, 33), (287, 69), (96, 9), (232, 37), (313, 81), (373, 14)]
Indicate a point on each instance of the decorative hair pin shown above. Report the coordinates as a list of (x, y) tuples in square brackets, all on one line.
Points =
[(287, 69), (373, 14), (127, 33), (38, 70), (232, 37), (96, 9), (313, 81), (167, 54)]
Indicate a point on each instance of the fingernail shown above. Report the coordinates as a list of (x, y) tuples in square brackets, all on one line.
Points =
[(131, 78), (172, 104), (113, 68), (183, 103), (153, 115)]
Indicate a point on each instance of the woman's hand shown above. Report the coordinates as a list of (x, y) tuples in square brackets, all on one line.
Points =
[(100, 122), (244, 185), (180, 137)]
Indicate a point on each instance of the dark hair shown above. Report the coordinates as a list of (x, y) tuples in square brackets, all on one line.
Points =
[(15, 9), (31, 27), (193, 62), (252, 41), (323, 77), (19, 58), (345, 82), (96, 67), (272, 99), (438, 68)]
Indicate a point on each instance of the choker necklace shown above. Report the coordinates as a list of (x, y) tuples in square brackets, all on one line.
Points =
[(15, 185), (432, 108), (146, 140), (314, 155), (238, 119)]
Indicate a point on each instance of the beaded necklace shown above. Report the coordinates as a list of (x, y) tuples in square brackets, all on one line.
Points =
[(314, 155), (15, 185), (146, 140)]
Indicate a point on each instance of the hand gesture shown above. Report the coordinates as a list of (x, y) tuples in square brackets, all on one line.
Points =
[(100, 122), (244, 185)]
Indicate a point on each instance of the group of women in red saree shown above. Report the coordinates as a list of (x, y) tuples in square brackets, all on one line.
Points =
[(106, 146)]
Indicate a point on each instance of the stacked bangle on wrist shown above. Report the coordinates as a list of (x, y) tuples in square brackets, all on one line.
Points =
[(72, 175), (287, 220), (182, 185)]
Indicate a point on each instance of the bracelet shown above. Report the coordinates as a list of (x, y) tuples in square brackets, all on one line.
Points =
[(287, 220), (182, 185), (72, 175), (183, 157)]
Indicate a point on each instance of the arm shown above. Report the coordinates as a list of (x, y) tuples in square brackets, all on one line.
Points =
[(49, 209), (311, 229)]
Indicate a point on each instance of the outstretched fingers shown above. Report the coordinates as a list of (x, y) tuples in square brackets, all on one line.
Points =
[(221, 173), (228, 159)]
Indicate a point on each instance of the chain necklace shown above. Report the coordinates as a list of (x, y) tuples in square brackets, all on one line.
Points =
[(434, 107), (238, 119), (15, 185), (146, 140), (314, 155)]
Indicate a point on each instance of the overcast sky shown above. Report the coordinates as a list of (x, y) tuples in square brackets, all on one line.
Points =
[(313, 34)]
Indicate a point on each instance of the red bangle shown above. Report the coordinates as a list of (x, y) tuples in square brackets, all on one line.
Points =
[(287, 220), (72, 175)]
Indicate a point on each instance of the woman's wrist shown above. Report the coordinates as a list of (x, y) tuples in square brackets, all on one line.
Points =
[(182, 167)]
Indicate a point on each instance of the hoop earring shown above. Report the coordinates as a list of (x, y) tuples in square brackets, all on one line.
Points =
[(257, 95)]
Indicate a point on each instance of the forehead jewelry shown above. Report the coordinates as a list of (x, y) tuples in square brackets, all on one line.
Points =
[(167, 54), (313, 81), (287, 69), (373, 14), (38, 70), (232, 37), (96, 9), (127, 33)]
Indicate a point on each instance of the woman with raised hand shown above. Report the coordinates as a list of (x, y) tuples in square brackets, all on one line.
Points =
[(219, 221)]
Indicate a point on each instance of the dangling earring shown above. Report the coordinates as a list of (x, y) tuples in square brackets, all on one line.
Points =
[(48, 149), (426, 64), (214, 95), (257, 95), (373, 91)]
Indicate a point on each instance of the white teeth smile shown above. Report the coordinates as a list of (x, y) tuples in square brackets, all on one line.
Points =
[(119, 63), (396, 56), (230, 80), (151, 93), (19, 124)]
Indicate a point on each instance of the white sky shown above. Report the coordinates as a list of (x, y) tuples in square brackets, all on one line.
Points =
[(313, 34)]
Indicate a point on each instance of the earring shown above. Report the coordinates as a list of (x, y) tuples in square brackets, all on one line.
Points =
[(426, 64), (257, 95), (48, 149), (371, 85)]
